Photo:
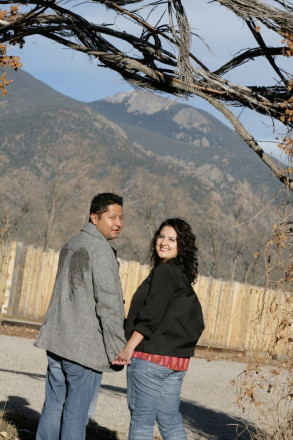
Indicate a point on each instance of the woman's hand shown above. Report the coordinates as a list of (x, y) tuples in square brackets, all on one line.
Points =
[(123, 358)]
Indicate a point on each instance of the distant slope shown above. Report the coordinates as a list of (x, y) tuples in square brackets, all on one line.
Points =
[(26, 92), (35, 120), (185, 133), (140, 129), (133, 128)]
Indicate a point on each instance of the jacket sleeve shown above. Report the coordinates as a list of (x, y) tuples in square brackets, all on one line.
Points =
[(109, 300), (163, 286)]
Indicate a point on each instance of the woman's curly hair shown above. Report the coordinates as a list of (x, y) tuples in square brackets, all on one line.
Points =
[(187, 249)]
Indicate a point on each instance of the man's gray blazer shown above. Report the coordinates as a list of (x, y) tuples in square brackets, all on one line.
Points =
[(84, 321)]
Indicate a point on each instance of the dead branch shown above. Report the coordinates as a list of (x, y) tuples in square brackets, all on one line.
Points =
[(158, 56)]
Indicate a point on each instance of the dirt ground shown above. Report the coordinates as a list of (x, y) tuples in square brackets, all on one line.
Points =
[(208, 414), (17, 330)]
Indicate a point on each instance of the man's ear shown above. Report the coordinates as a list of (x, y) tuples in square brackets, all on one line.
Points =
[(94, 218)]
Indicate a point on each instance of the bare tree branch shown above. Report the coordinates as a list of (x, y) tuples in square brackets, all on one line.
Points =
[(157, 56), (257, 35)]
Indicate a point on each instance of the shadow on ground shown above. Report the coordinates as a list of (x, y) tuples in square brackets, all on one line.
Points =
[(213, 424), (25, 420), (204, 422), (24, 373), (207, 423)]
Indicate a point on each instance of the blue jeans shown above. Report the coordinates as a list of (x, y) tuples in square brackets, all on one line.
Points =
[(153, 393), (71, 397)]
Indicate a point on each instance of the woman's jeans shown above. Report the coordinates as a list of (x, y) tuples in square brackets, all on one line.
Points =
[(71, 397), (153, 393)]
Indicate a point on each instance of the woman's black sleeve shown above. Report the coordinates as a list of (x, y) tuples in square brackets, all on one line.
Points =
[(163, 286)]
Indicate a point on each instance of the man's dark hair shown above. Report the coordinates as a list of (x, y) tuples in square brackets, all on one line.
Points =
[(100, 203)]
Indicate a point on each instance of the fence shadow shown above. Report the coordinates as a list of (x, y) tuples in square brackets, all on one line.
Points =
[(35, 376)]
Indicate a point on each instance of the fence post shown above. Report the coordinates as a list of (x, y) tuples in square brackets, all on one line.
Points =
[(35, 274), (9, 276), (24, 288), (3, 270), (51, 282), (39, 284), (211, 330), (203, 290), (17, 279), (131, 283)]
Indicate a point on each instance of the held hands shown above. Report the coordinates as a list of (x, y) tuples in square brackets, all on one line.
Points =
[(123, 358)]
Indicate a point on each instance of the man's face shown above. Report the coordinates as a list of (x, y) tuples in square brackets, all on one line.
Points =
[(111, 222)]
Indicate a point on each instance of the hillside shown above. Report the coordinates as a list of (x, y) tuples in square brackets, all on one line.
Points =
[(165, 158), (185, 141), (186, 134)]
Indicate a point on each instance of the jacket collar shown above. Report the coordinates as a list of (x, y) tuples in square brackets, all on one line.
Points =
[(92, 230)]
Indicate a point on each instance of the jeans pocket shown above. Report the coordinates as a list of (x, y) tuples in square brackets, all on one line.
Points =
[(179, 375), (157, 371)]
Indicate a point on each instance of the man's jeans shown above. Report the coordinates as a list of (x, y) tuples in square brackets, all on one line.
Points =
[(153, 393), (71, 397)]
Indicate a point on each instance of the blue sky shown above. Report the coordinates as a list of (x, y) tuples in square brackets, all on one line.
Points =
[(77, 76)]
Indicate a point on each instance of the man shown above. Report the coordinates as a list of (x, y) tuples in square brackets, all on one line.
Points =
[(83, 327)]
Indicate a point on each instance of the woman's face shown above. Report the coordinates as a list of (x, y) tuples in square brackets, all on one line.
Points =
[(166, 244)]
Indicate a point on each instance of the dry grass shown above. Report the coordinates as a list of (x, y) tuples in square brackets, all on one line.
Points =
[(284, 432), (7, 430)]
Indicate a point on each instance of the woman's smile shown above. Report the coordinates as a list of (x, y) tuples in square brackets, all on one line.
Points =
[(166, 245)]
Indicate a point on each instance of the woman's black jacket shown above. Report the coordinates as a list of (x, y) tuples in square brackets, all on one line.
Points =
[(166, 310)]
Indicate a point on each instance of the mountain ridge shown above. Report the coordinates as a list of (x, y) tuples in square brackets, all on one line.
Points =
[(215, 145), (180, 136)]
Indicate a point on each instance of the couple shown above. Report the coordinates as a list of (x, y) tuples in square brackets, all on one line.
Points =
[(83, 330)]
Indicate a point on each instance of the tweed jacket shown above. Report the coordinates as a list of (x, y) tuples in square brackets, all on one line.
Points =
[(84, 321)]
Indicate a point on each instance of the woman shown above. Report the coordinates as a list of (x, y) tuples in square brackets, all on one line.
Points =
[(163, 326)]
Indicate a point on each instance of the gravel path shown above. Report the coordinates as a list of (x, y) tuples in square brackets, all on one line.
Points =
[(208, 399)]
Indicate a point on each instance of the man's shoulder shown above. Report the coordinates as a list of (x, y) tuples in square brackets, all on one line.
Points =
[(87, 235), (91, 242), (94, 242)]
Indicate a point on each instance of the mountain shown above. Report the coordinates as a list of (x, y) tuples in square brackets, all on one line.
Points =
[(35, 121), (207, 149), (139, 125), (165, 158)]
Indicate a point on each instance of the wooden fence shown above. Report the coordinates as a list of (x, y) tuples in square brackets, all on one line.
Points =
[(27, 278)]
